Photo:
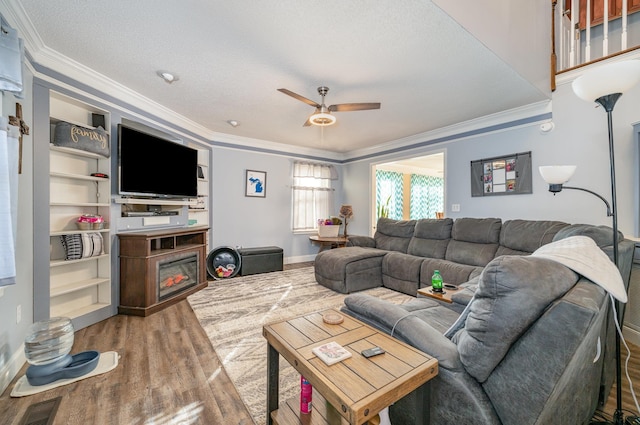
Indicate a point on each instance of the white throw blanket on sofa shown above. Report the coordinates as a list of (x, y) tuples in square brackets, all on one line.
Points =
[(583, 256)]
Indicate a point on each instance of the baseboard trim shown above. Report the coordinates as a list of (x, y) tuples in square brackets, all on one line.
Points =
[(631, 335), (10, 369), (299, 259)]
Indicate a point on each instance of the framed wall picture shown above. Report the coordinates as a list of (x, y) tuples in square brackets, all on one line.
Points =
[(503, 175), (256, 184)]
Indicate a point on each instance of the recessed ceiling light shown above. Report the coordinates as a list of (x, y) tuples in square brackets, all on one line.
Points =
[(168, 77), (233, 123)]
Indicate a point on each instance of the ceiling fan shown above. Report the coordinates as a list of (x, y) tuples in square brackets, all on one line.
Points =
[(322, 116)]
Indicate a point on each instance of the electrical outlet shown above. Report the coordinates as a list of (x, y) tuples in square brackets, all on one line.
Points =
[(455, 207), (18, 313)]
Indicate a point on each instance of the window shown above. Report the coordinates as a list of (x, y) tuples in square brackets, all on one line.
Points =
[(312, 194)]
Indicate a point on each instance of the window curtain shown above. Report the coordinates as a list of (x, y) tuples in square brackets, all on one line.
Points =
[(8, 200), (389, 186), (427, 196), (312, 194)]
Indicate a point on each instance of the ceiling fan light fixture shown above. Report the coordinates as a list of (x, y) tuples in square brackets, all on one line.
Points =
[(322, 119)]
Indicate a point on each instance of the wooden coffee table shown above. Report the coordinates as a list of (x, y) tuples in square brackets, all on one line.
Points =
[(355, 389)]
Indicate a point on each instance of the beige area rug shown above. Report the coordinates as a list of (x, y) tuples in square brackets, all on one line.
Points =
[(233, 312)]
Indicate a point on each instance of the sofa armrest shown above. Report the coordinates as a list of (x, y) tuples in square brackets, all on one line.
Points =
[(365, 241), (403, 325)]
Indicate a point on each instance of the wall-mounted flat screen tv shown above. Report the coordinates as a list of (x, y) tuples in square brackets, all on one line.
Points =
[(153, 167)]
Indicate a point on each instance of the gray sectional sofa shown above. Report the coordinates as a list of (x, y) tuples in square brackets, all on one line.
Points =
[(528, 341)]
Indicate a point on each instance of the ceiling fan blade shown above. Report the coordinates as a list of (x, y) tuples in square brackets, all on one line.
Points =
[(346, 107), (300, 98)]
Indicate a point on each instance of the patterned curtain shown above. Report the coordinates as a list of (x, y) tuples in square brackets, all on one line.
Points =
[(427, 196), (389, 193)]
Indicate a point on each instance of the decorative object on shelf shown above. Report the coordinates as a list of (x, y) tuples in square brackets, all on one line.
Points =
[(346, 211), (256, 184), (24, 130), (502, 175), (90, 222), (74, 136), (603, 85), (84, 245)]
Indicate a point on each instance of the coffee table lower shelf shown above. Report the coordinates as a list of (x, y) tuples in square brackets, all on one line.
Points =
[(288, 413)]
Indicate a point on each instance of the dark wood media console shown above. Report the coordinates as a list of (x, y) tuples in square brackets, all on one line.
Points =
[(161, 267)]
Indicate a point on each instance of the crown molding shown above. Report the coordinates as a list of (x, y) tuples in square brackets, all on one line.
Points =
[(500, 121)]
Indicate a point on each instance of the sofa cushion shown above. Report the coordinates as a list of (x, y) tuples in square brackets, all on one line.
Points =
[(394, 235), (451, 272), (474, 241), (513, 291), (430, 238), (602, 235), (525, 236), (401, 272)]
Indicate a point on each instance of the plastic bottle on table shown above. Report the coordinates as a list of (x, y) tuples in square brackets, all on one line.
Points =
[(306, 394), (436, 281)]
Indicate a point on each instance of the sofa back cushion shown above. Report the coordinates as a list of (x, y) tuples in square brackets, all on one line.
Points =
[(521, 237), (474, 241), (513, 291), (394, 235), (601, 235), (430, 238)]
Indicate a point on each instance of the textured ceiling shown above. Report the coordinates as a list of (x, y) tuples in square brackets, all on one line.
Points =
[(232, 56)]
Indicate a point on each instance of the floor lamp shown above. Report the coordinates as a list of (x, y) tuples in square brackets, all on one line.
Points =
[(604, 85)]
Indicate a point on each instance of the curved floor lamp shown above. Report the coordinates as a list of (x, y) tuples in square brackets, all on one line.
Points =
[(603, 85)]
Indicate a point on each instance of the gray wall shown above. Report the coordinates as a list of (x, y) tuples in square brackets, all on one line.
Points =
[(252, 222), (580, 138), (21, 294)]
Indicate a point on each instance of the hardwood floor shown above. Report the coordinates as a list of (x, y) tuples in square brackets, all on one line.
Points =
[(168, 374)]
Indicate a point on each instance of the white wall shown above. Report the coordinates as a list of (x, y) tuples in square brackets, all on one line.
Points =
[(580, 138), (517, 31)]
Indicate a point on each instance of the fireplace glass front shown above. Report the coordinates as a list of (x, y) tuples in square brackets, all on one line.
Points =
[(177, 274)]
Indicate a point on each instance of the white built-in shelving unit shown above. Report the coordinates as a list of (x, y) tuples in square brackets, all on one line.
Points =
[(77, 287), (199, 208)]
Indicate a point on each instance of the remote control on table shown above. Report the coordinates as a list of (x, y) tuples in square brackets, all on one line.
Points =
[(370, 352)]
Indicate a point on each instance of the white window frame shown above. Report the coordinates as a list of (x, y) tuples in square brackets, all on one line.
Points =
[(312, 195)]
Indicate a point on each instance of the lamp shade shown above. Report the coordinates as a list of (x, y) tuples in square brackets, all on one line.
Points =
[(346, 211), (557, 174), (617, 77)]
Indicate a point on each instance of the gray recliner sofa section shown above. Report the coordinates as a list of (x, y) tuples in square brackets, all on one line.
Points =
[(413, 249), (462, 250), (524, 352)]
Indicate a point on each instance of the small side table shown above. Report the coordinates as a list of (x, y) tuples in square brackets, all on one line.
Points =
[(329, 243), (445, 295)]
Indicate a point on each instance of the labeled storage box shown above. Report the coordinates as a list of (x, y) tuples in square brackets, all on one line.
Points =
[(260, 260)]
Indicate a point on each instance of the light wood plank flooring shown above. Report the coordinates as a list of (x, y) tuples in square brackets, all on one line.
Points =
[(168, 374)]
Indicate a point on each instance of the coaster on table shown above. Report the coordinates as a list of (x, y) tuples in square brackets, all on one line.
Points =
[(333, 318)]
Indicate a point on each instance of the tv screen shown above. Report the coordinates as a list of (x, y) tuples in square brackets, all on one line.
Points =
[(150, 166)]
